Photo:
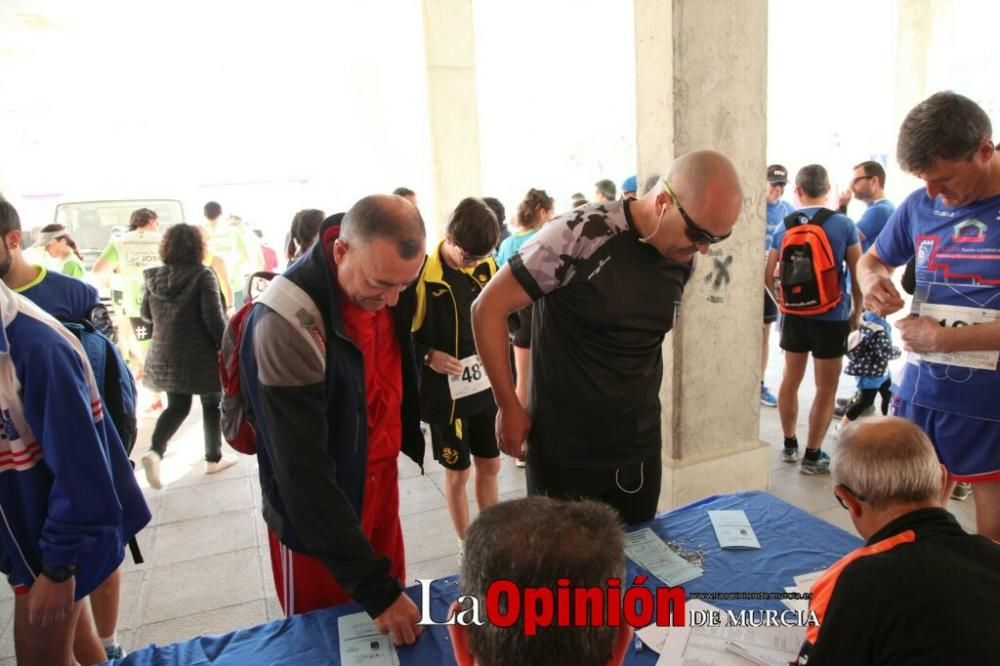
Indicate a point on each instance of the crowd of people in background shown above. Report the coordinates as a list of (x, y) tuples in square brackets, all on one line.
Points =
[(513, 335)]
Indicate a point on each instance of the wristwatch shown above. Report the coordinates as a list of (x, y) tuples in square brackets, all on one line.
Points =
[(59, 574)]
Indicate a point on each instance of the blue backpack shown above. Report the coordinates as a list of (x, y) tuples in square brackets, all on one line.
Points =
[(117, 388), (114, 380)]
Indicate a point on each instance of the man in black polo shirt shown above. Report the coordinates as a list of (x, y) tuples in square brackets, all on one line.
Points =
[(606, 278), (921, 590)]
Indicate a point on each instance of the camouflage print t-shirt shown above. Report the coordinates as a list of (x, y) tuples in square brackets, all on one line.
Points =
[(604, 301)]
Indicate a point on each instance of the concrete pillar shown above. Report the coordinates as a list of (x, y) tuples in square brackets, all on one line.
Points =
[(915, 44), (451, 93), (914, 41), (701, 83)]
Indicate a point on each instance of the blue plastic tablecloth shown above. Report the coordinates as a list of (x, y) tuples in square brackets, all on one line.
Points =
[(792, 542)]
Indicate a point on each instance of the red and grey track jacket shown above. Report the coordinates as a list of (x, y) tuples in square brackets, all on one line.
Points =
[(311, 420)]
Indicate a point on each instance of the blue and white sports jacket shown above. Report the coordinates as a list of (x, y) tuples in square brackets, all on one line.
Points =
[(68, 495)]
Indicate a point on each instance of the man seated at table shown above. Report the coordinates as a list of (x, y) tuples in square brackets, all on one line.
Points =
[(921, 590), (534, 542)]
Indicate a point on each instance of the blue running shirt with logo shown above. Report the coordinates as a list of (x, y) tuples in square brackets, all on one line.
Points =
[(957, 265)]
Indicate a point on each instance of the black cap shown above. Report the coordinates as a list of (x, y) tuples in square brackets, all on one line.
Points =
[(776, 173)]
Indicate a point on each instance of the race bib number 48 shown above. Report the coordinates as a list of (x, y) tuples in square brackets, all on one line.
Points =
[(472, 379)]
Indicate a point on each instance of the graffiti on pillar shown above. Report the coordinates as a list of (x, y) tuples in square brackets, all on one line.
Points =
[(719, 277)]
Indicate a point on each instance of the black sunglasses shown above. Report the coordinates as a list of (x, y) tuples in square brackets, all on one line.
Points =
[(860, 498), (855, 180), (695, 234)]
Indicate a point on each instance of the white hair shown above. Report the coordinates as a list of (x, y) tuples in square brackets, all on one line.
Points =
[(887, 460)]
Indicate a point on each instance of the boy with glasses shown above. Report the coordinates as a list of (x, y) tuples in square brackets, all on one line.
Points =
[(455, 396)]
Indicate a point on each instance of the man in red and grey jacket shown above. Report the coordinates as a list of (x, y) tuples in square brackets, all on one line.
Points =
[(328, 366)]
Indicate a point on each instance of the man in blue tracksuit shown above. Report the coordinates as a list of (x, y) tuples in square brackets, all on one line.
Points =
[(68, 498)]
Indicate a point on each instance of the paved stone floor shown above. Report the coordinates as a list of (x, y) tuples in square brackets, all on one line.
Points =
[(207, 566)]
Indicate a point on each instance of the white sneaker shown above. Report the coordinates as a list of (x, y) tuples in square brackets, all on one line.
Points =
[(151, 465), (223, 463)]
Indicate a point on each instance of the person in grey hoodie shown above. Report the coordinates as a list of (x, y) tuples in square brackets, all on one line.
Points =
[(182, 301)]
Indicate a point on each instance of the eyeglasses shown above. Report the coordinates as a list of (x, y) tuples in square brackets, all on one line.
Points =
[(856, 496), (468, 258), (695, 234), (855, 180), (471, 258)]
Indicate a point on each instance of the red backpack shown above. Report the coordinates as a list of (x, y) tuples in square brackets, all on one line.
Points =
[(237, 419), (807, 270)]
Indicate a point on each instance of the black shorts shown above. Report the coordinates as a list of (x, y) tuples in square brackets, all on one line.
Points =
[(825, 339), (455, 443), (770, 309)]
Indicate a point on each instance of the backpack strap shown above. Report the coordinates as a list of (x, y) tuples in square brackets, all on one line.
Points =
[(798, 217), (252, 279), (102, 322), (822, 215), (793, 219), (297, 308)]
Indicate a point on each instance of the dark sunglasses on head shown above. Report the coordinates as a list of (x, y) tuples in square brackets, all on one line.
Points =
[(695, 234)]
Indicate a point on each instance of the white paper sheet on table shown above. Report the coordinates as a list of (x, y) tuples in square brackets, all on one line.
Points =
[(803, 585), (797, 605), (733, 530), (649, 551), (806, 581), (714, 646), (654, 636), (362, 644)]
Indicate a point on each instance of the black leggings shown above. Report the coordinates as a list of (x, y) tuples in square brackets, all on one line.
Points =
[(632, 490), (178, 406), (865, 398)]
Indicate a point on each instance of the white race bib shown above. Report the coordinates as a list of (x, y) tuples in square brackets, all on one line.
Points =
[(472, 379), (954, 316)]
